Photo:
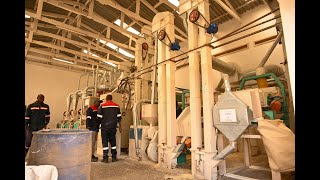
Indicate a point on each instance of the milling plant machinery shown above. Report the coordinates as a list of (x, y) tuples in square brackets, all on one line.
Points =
[(143, 143)]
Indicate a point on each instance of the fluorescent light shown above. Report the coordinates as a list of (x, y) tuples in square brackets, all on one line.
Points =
[(118, 21), (125, 53), (130, 29), (26, 16), (94, 55), (102, 41), (110, 63), (174, 2), (112, 46), (62, 60), (85, 51)]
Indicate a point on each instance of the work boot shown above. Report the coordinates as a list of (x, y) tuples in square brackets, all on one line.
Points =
[(105, 160), (94, 159), (114, 159)]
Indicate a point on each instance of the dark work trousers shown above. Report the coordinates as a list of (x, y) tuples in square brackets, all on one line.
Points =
[(28, 138), (94, 142), (109, 136)]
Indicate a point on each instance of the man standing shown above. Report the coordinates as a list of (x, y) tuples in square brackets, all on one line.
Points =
[(37, 117), (92, 123), (110, 115)]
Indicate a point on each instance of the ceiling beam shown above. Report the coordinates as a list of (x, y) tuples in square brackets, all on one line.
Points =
[(69, 50), (49, 26), (81, 45), (231, 7), (91, 5), (129, 13), (230, 11), (170, 5), (61, 5), (225, 14), (31, 61), (33, 25), (74, 4), (158, 4), (146, 3), (55, 15), (138, 7), (61, 56), (78, 30), (95, 17), (56, 62)]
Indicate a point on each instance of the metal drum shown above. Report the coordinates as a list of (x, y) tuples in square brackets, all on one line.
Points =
[(69, 150)]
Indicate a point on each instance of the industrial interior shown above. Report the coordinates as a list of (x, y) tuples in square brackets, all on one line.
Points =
[(228, 65)]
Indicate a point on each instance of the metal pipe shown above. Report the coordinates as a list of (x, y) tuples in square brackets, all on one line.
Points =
[(114, 90), (81, 77), (87, 89), (69, 99), (223, 67), (94, 79), (220, 84), (226, 151), (77, 99), (87, 80), (134, 113), (272, 68), (266, 57), (226, 82), (96, 83), (154, 75)]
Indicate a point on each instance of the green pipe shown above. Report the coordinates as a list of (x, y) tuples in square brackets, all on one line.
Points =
[(285, 111), (183, 98)]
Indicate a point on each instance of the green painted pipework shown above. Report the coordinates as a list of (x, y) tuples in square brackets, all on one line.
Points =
[(285, 111), (183, 99)]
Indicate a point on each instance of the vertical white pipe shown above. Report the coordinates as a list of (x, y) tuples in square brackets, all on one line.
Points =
[(137, 81), (210, 139), (162, 115), (154, 72), (195, 99), (170, 86)]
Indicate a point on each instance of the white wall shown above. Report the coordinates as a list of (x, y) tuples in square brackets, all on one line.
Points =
[(54, 84), (246, 59)]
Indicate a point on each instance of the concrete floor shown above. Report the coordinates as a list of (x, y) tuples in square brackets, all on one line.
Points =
[(131, 169), (127, 168)]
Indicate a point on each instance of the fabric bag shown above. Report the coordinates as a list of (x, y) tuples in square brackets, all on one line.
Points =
[(279, 143)]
